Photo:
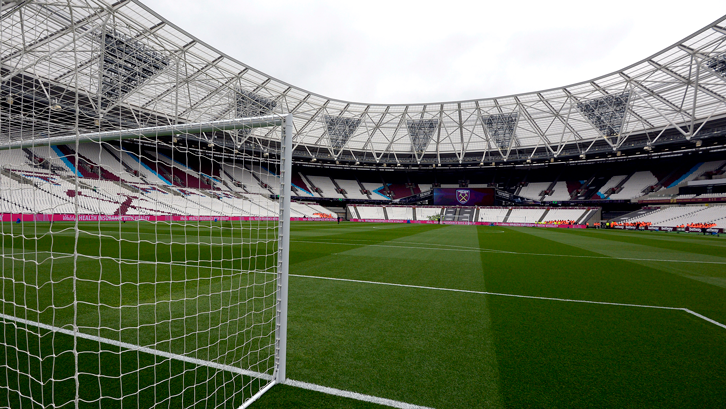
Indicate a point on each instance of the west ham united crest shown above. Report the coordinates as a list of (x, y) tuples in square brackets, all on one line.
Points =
[(462, 196)]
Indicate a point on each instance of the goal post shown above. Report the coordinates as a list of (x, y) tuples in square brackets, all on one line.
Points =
[(284, 263), (144, 267)]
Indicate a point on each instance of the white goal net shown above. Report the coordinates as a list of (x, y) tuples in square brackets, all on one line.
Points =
[(141, 267)]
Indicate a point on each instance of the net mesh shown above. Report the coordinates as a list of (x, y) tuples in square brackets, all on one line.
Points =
[(137, 272)]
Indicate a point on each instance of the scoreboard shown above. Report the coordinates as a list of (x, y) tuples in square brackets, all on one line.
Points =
[(464, 196)]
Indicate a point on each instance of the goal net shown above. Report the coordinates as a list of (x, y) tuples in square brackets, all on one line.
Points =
[(142, 267)]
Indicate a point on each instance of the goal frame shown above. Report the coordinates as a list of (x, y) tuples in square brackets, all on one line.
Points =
[(285, 121)]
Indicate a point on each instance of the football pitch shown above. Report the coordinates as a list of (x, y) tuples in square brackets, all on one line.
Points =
[(426, 315)]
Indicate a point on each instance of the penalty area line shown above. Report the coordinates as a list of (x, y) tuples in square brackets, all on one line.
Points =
[(456, 290), (532, 297), (703, 317)]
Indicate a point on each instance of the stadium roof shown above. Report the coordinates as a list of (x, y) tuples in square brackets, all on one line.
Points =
[(96, 66)]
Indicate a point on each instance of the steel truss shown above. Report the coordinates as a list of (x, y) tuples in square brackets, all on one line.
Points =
[(119, 65)]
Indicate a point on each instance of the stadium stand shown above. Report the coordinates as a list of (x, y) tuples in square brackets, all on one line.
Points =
[(635, 185), (559, 193), (300, 186), (399, 190), (376, 190), (534, 190), (612, 183), (399, 213), (117, 180), (138, 167), (268, 179), (558, 214), (425, 213), (371, 212), (493, 214), (245, 179), (352, 189), (696, 171), (672, 216), (525, 215), (325, 187)]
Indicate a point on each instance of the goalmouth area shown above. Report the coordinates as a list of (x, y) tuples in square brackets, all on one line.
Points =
[(440, 316)]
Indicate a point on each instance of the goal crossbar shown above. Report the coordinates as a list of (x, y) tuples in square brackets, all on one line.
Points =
[(155, 131)]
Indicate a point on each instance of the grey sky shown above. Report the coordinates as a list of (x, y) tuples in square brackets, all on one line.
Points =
[(430, 51)]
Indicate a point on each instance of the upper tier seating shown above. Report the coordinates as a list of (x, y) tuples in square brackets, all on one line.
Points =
[(534, 190), (266, 176), (352, 188), (241, 175), (146, 174), (376, 190), (399, 190), (181, 174), (325, 184), (634, 186), (611, 183), (100, 155), (697, 171), (13, 159), (559, 192), (301, 186)]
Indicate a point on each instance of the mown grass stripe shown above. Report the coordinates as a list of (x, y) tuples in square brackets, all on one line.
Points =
[(516, 253)]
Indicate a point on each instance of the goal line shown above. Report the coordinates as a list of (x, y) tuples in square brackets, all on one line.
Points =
[(215, 365)]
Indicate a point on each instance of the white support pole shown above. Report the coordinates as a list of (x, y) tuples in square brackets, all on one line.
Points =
[(284, 252)]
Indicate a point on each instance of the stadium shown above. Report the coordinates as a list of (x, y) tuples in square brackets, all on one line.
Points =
[(180, 229)]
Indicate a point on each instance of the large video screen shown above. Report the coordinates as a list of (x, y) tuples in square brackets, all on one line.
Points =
[(464, 196)]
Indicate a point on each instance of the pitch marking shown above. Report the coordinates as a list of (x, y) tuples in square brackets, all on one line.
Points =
[(215, 365), (353, 395), (533, 297)]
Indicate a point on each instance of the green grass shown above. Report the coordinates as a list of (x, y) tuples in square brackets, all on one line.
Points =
[(349, 330)]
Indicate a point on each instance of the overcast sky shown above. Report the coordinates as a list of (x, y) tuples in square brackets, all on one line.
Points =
[(431, 51)]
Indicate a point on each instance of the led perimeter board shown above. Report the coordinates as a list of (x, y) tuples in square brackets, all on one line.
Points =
[(464, 196)]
